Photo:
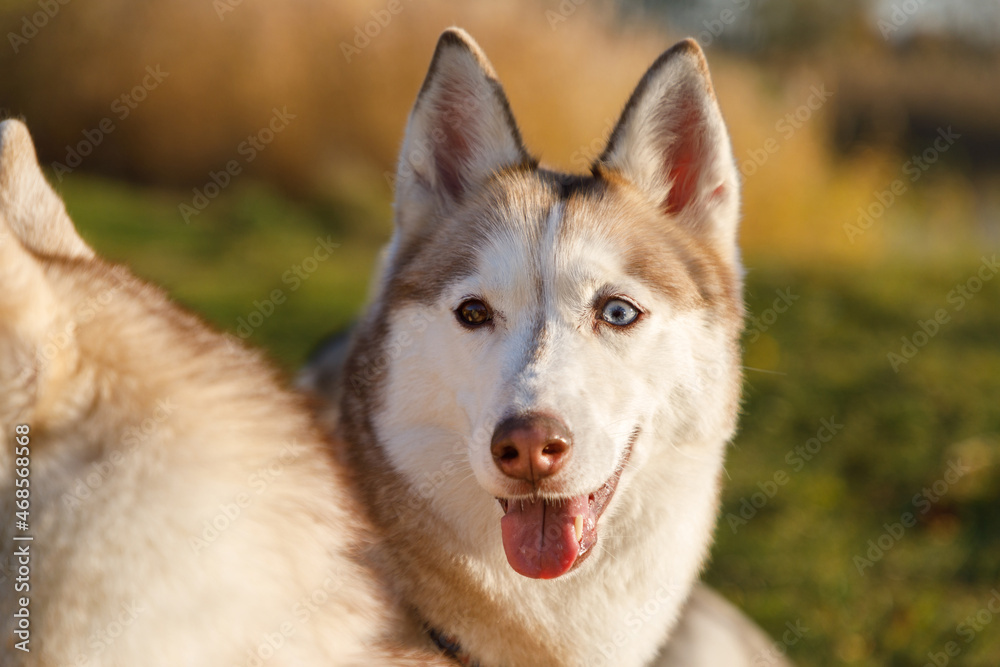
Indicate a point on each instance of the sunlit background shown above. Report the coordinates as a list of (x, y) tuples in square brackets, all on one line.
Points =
[(216, 145)]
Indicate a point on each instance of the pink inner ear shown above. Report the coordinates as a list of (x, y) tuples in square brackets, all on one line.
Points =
[(684, 160), (455, 122)]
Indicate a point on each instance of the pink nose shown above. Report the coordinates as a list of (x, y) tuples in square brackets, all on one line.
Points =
[(531, 446)]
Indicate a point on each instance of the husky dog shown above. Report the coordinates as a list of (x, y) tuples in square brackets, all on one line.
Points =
[(178, 506), (538, 399)]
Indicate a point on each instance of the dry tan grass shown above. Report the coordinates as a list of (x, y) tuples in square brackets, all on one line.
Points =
[(567, 82)]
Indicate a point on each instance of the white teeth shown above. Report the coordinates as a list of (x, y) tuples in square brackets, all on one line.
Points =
[(578, 526)]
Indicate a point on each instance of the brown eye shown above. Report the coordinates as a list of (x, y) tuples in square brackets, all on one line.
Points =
[(473, 313)]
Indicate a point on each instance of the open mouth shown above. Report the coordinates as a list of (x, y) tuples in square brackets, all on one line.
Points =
[(545, 539)]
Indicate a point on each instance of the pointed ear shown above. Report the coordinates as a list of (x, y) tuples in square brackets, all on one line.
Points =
[(27, 312), (26, 302), (35, 214), (460, 130), (671, 142)]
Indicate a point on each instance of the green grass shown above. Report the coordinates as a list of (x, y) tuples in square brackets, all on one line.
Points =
[(229, 261), (824, 358)]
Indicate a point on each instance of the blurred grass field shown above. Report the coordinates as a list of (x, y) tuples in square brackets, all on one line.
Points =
[(824, 358)]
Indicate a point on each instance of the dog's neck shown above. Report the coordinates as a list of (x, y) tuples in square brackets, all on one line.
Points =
[(496, 617)]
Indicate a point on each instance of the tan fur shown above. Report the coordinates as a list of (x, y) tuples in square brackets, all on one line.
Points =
[(145, 425), (34, 212)]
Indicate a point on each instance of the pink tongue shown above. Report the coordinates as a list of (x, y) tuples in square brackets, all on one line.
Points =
[(539, 539)]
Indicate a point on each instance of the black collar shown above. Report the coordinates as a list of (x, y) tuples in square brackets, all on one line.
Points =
[(451, 648)]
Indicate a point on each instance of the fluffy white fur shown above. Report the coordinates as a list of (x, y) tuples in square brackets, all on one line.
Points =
[(183, 509)]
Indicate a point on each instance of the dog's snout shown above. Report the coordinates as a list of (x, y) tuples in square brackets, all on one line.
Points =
[(531, 446)]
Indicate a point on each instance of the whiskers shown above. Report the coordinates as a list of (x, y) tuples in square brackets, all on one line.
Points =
[(762, 370), (686, 454), (599, 545)]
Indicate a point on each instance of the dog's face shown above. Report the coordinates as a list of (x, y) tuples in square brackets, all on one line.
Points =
[(545, 336)]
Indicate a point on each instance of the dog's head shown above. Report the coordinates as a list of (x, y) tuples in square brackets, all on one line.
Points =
[(553, 334)]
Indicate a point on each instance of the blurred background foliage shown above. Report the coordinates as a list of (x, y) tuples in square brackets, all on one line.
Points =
[(851, 211)]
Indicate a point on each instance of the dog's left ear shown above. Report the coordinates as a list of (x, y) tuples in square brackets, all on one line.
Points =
[(34, 212), (461, 130), (671, 142)]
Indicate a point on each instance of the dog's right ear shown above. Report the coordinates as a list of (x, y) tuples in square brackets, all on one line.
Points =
[(35, 214), (460, 131)]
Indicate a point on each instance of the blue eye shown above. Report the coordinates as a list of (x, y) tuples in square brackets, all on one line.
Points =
[(619, 312)]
